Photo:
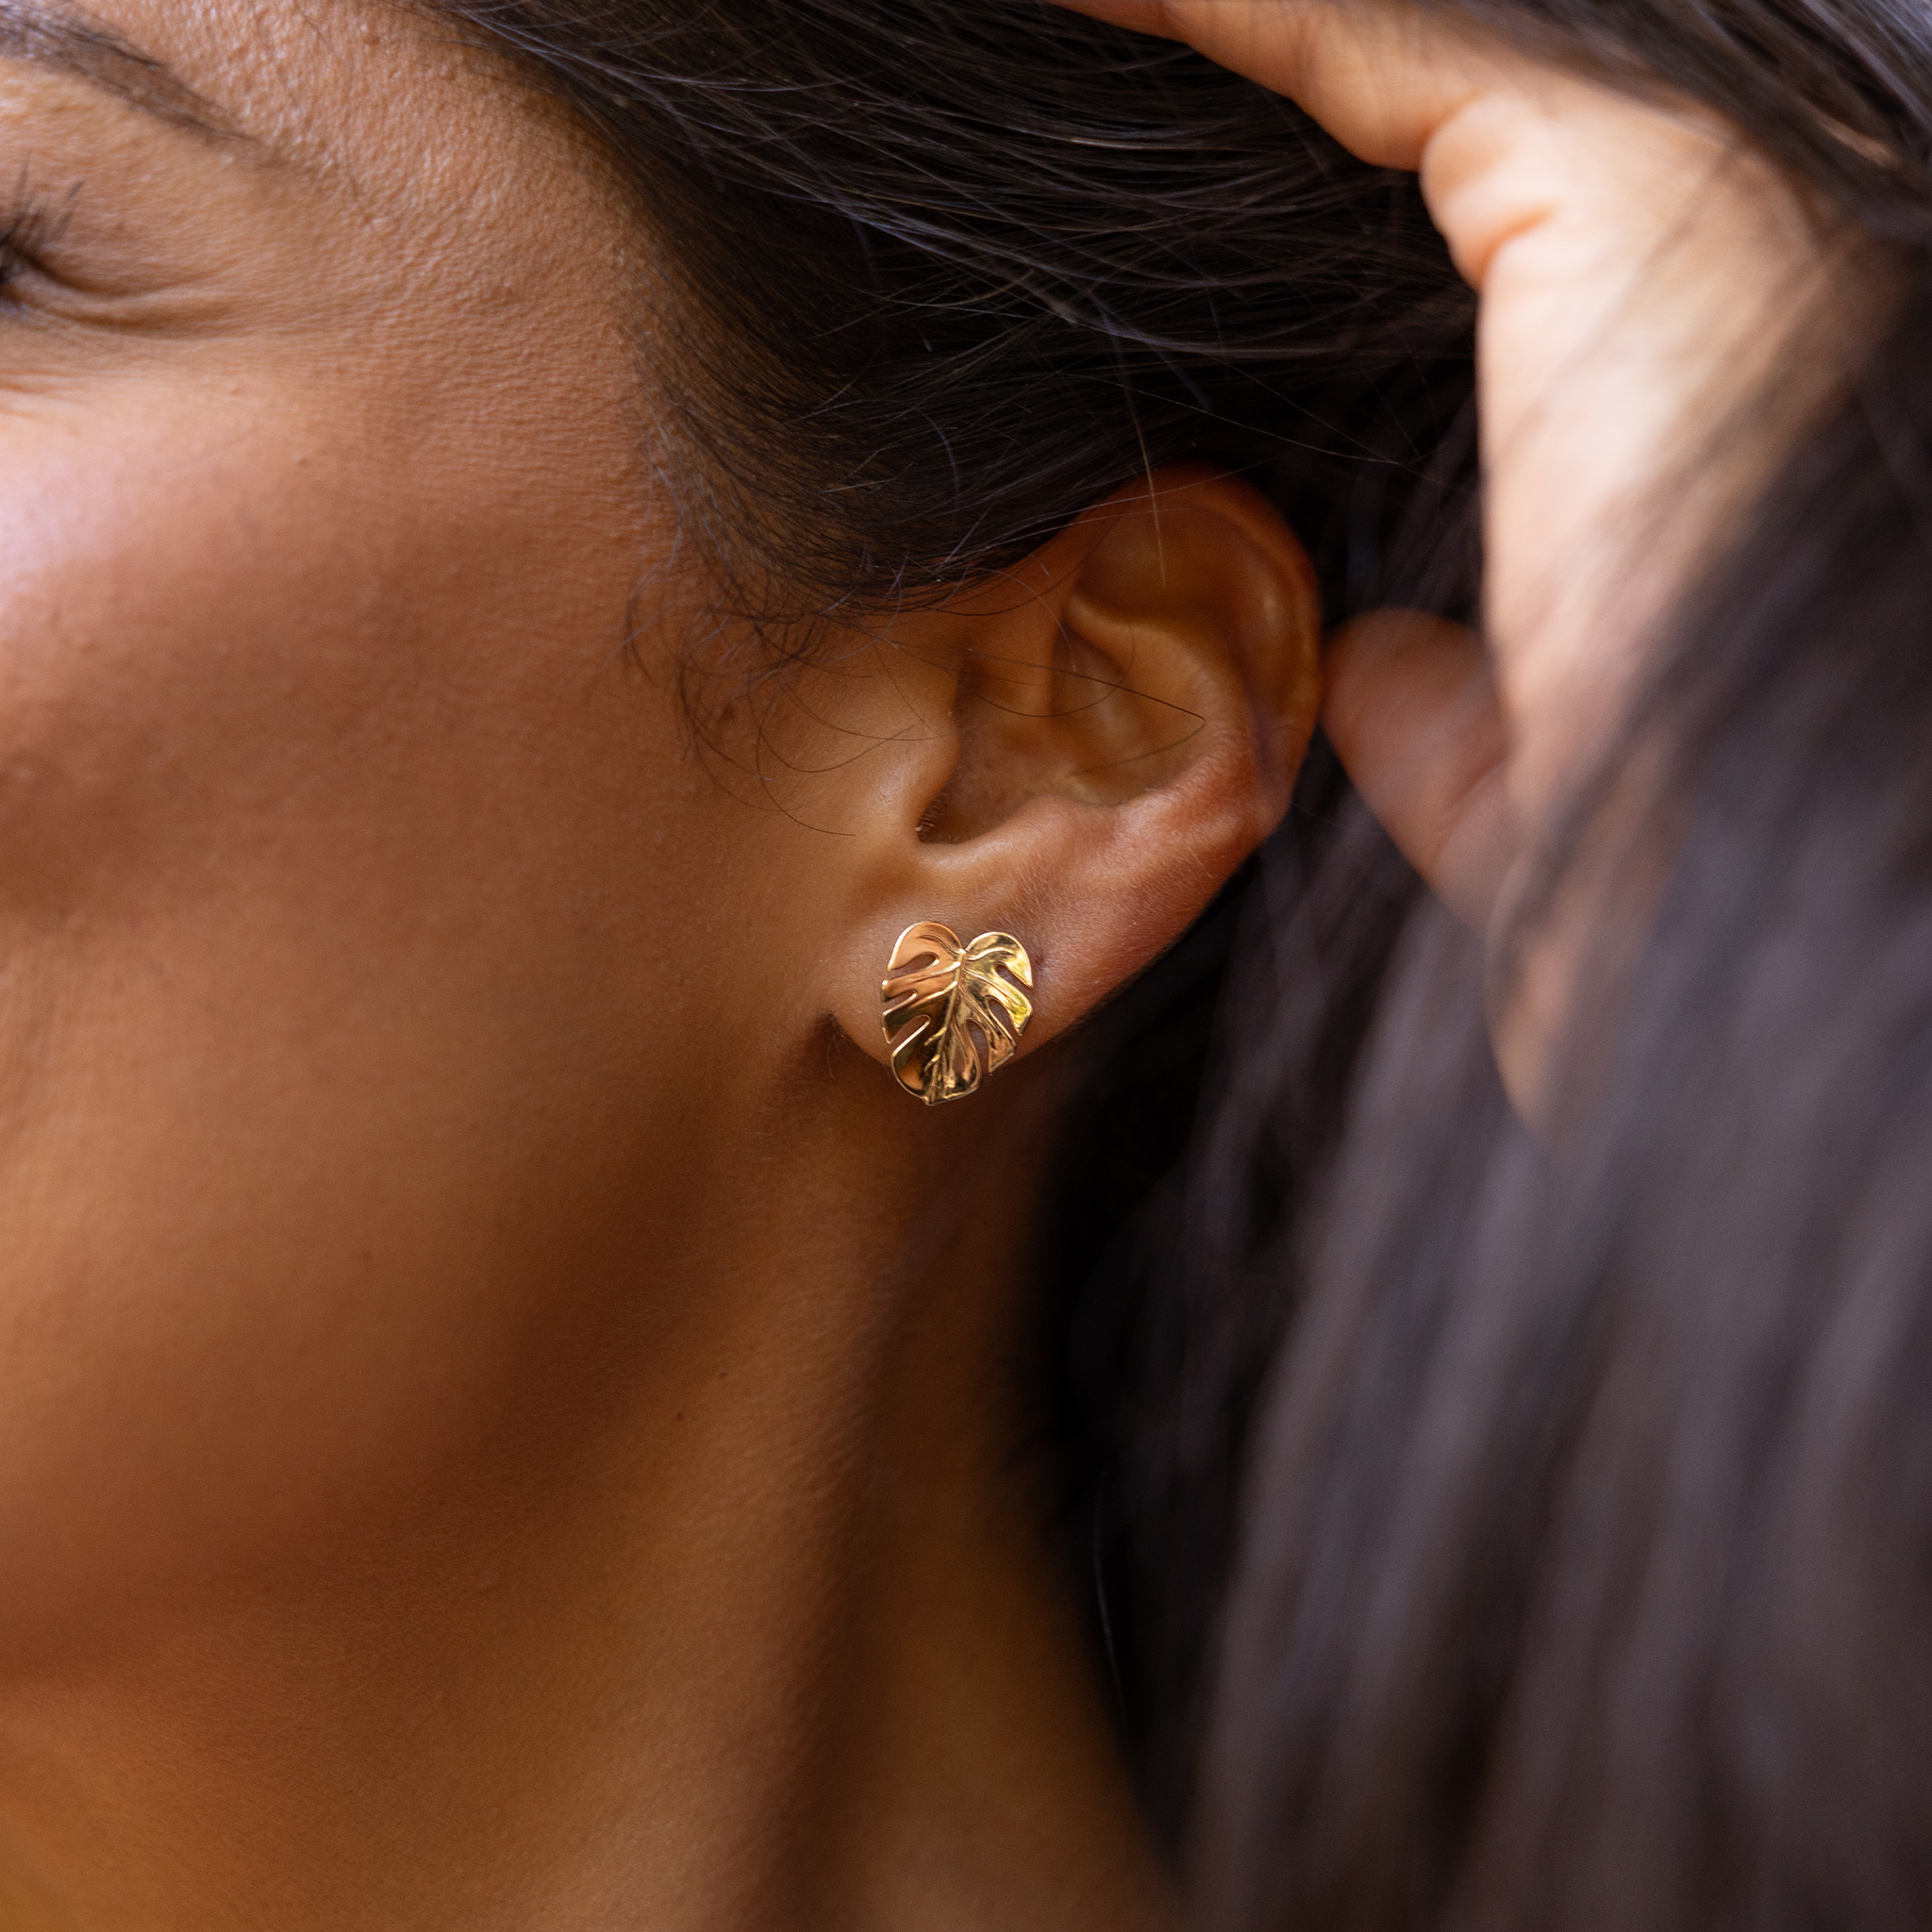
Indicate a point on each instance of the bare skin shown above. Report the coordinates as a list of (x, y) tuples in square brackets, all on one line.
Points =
[(506, 1409), (1662, 313)]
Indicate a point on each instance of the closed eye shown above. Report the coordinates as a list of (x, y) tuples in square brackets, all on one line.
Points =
[(25, 230)]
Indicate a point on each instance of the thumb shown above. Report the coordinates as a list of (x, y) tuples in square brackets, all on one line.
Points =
[(1410, 708), (1140, 16)]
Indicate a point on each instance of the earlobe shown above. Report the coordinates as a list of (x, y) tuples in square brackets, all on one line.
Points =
[(953, 1010), (1129, 710)]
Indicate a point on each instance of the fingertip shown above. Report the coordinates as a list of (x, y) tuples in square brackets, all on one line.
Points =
[(1138, 16), (1410, 708), (1389, 672)]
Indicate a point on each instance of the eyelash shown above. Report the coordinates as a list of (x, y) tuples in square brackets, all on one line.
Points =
[(24, 231)]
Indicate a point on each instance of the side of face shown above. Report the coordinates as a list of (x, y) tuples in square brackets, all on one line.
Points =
[(385, 987), (342, 841)]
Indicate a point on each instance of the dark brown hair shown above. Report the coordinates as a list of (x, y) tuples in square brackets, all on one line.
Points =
[(1587, 1579), (1586, 1574)]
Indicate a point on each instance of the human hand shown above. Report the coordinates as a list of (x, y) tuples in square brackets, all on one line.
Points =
[(1643, 275)]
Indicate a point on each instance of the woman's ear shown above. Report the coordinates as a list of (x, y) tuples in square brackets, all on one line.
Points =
[(1127, 712)]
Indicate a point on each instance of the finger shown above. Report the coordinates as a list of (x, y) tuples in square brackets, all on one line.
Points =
[(1645, 279), (1380, 76), (1139, 16), (1410, 708)]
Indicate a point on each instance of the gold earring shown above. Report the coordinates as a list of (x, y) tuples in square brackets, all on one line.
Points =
[(950, 1018)]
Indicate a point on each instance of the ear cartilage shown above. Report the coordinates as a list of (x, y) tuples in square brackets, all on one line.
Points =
[(952, 1013)]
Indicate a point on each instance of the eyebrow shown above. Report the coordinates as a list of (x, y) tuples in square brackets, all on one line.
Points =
[(61, 37)]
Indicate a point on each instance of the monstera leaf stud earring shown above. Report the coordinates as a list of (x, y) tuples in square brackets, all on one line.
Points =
[(951, 1017)]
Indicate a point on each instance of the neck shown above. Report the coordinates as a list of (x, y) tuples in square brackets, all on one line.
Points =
[(737, 1611)]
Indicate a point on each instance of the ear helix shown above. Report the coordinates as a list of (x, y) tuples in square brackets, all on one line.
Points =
[(952, 1013)]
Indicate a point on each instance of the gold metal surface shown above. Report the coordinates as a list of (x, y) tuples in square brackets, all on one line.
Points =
[(950, 1017)]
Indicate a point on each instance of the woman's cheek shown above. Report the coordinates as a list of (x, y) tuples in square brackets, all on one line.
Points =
[(296, 995)]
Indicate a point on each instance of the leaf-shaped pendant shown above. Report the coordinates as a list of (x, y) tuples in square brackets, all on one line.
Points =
[(950, 1017)]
